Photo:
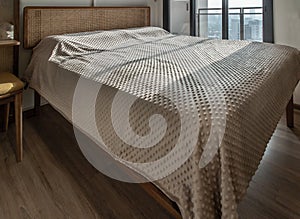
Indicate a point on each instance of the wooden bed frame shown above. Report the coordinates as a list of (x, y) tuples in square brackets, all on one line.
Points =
[(40, 22)]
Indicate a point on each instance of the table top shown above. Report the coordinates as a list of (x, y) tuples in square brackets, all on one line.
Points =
[(9, 43)]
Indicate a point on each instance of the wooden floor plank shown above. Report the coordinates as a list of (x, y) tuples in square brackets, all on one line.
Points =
[(55, 180)]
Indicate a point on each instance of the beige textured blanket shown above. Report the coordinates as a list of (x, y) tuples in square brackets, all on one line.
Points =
[(193, 115)]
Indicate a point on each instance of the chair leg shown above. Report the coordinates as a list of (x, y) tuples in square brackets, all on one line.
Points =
[(19, 128), (6, 116)]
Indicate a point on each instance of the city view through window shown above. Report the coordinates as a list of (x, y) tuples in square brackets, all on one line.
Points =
[(245, 19)]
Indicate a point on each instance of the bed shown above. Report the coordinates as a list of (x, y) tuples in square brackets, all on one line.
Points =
[(191, 116)]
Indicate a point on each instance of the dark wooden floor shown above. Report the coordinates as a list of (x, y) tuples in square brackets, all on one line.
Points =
[(55, 180)]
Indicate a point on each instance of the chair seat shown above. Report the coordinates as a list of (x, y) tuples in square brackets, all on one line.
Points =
[(9, 83)]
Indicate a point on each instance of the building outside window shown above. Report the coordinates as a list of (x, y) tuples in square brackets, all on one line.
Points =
[(222, 19), (245, 19)]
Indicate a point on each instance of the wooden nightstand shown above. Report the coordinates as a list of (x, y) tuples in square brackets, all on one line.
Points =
[(11, 89)]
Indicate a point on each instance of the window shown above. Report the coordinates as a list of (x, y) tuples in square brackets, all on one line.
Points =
[(224, 19), (209, 18), (245, 19)]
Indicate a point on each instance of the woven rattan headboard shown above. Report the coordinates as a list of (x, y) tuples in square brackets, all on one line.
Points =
[(40, 22)]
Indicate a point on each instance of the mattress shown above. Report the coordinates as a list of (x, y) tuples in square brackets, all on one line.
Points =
[(191, 115)]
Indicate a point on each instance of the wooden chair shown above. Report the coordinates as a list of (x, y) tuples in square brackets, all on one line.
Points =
[(11, 89)]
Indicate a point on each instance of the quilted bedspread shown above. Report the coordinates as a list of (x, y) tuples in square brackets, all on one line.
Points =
[(191, 115)]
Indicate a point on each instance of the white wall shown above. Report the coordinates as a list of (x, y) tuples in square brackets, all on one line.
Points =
[(156, 20), (287, 27), (6, 11)]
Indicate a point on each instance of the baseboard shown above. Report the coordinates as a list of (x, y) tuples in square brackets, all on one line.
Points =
[(25, 109), (27, 113)]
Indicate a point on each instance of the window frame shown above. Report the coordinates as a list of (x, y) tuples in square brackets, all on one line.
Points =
[(268, 23)]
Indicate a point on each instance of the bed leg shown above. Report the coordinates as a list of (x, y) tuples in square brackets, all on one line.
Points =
[(37, 103), (290, 113)]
